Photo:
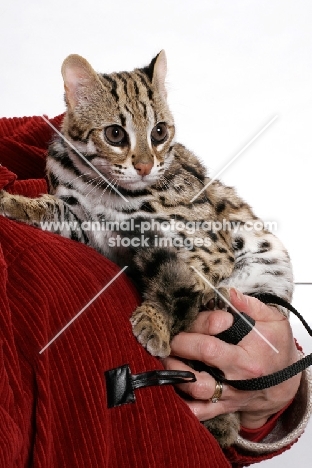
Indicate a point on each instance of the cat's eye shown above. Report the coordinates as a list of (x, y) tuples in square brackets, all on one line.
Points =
[(115, 135), (159, 133)]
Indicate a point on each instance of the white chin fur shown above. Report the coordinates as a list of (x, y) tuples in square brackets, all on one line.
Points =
[(139, 184), (134, 185)]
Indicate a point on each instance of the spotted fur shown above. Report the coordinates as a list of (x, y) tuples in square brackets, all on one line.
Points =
[(122, 125)]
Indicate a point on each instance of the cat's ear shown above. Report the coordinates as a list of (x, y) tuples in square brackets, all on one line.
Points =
[(80, 80), (159, 73)]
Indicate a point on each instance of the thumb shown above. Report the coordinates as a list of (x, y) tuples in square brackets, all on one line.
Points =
[(253, 307)]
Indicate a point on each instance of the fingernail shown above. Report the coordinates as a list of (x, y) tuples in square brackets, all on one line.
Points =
[(235, 294)]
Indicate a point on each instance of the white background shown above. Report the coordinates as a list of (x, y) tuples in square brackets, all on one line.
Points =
[(233, 66)]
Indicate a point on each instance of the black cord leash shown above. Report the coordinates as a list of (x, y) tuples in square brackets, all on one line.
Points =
[(121, 383), (260, 383)]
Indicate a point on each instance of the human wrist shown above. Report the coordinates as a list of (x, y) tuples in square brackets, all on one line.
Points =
[(289, 425), (256, 420), (257, 433), (273, 403), (253, 422)]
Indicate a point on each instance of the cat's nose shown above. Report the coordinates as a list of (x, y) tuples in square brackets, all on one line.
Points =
[(143, 168)]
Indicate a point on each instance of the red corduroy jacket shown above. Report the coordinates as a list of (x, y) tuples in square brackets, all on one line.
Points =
[(53, 405)]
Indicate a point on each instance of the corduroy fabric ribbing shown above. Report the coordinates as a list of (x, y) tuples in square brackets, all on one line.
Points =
[(23, 145), (53, 410), (63, 415)]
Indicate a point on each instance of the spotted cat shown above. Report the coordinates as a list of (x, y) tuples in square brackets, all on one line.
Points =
[(120, 183)]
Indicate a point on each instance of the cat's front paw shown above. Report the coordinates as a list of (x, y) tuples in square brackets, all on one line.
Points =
[(217, 299), (150, 329), (224, 428), (3, 197)]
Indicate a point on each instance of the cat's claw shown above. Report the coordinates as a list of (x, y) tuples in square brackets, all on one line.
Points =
[(150, 329)]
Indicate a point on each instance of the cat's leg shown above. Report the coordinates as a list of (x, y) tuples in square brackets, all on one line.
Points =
[(224, 428), (46, 212), (28, 210), (175, 284), (262, 264), (172, 298)]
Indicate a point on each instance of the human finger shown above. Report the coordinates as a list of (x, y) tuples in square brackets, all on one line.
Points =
[(198, 394), (253, 307), (204, 386), (212, 323), (211, 351)]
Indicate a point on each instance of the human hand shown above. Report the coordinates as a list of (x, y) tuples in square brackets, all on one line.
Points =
[(252, 357)]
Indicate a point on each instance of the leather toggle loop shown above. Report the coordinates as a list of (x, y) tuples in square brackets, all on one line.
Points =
[(120, 383)]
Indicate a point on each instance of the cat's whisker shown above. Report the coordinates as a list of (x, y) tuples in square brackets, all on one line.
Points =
[(78, 177), (102, 193), (90, 181), (112, 185), (109, 186), (101, 181)]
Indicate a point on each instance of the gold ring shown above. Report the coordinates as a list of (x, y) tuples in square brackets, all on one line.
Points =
[(217, 393)]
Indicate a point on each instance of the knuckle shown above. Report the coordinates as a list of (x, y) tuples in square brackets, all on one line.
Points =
[(220, 321), (208, 349), (199, 390), (255, 369)]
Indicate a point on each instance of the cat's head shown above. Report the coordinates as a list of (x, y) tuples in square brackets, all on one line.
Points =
[(120, 121)]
